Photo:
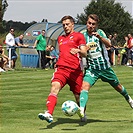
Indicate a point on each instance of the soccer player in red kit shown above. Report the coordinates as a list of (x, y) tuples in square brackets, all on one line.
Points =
[(72, 47)]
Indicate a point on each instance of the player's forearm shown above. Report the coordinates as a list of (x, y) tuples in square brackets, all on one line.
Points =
[(83, 53), (105, 41)]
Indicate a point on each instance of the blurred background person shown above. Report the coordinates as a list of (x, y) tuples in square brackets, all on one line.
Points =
[(130, 49), (124, 53), (3, 59), (54, 54), (10, 42), (109, 50), (19, 41), (116, 48), (40, 45)]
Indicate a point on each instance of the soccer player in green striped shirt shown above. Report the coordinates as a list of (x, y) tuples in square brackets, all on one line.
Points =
[(98, 63)]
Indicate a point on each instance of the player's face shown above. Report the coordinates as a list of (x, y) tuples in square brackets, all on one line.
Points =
[(68, 26), (91, 25)]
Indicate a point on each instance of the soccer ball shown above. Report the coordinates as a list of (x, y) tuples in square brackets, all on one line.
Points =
[(69, 108)]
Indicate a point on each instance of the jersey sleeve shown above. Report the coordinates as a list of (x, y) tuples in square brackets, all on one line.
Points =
[(102, 33), (82, 39)]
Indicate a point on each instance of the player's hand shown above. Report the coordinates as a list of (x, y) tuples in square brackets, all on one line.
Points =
[(88, 47), (96, 34), (74, 50)]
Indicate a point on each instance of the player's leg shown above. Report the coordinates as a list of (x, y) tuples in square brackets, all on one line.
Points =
[(84, 98), (82, 118), (75, 80), (110, 77), (51, 102), (121, 89), (75, 83), (52, 98), (90, 77), (58, 82)]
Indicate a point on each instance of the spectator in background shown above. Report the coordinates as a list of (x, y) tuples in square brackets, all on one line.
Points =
[(54, 55), (109, 50), (48, 57), (130, 49), (3, 59), (51, 56), (19, 41), (10, 42), (124, 52), (40, 45), (115, 46)]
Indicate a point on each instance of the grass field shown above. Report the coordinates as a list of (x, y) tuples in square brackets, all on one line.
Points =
[(23, 95)]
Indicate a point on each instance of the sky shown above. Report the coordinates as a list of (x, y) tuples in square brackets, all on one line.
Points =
[(52, 10)]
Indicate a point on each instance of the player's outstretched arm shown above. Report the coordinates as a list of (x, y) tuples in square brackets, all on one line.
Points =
[(82, 51)]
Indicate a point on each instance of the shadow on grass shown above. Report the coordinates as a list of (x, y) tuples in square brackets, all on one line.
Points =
[(74, 121)]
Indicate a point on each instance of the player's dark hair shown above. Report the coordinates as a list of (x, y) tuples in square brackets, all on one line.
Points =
[(68, 17), (94, 17)]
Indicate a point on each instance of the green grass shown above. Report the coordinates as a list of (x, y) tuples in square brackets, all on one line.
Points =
[(23, 94)]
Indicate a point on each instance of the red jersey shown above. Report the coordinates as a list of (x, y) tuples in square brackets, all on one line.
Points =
[(66, 59)]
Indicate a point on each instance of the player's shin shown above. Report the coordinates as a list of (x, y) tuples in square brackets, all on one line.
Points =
[(83, 99), (124, 93), (127, 97), (51, 103)]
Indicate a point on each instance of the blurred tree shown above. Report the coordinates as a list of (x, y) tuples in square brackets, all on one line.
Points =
[(3, 7), (113, 17)]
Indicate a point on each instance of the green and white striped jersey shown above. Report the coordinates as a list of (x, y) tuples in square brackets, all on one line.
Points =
[(97, 57)]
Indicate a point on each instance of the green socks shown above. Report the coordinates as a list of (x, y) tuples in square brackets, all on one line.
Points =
[(124, 93), (83, 98)]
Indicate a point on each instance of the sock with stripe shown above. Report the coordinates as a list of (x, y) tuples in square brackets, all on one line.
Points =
[(51, 103), (124, 93), (83, 98)]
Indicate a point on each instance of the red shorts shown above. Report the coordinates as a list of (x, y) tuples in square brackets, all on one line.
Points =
[(69, 76)]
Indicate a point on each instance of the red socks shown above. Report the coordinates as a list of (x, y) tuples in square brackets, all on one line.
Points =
[(51, 103)]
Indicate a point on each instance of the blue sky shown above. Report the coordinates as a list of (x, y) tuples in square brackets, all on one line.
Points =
[(52, 10)]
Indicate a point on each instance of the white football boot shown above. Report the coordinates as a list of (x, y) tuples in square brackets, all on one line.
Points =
[(46, 116), (80, 112), (130, 101)]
